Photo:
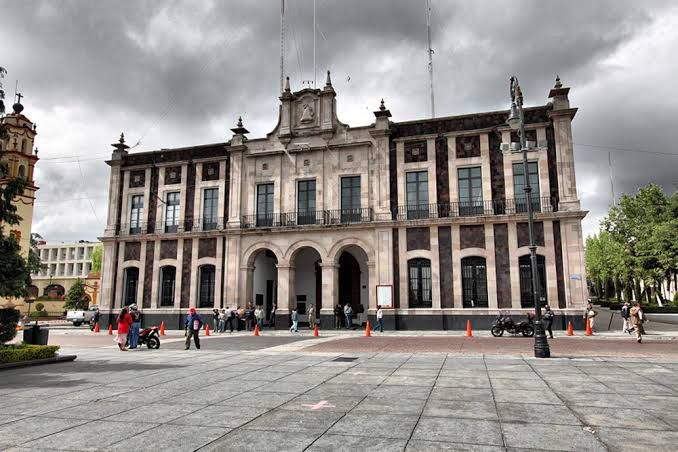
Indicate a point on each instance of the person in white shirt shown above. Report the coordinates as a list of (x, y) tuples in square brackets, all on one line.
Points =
[(380, 316)]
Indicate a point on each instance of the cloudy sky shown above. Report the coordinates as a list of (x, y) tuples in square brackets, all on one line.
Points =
[(174, 73)]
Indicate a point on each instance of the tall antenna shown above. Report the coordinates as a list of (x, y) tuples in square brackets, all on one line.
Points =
[(282, 45), (430, 56), (315, 75)]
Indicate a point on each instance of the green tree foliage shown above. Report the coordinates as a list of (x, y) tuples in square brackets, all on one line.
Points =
[(97, 255), (639, 243), (8, 320), (76, 299)]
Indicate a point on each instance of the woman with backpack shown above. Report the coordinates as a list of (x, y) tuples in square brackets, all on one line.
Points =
[(124, 323)]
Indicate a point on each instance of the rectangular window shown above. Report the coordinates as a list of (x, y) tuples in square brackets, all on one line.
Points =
[(206, 296), (136, 214), (350, 199), (519, 186), (306, 202), (210, 199), (417, 195), (265, 205), (131, 283), (420, 288), (172, 212), (470, 183), (167, 281)]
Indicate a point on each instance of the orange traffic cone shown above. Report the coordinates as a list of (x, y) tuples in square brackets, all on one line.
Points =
[(315, 331), (256, 330), (162, 328), (469, 331), (207, 330), (589, 331), (368, 331), (110, 330), (570, 331), (96, 327)]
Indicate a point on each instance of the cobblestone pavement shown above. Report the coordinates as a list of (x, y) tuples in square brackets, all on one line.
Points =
[(280, 401)]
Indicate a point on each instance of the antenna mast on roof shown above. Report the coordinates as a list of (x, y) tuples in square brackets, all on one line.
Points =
[(282, 45), (430, 56), (315, 72)]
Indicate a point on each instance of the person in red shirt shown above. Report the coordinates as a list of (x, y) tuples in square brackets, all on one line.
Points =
[(124, 323)]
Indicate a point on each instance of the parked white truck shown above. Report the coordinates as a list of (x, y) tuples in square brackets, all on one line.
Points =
[(80, 317)]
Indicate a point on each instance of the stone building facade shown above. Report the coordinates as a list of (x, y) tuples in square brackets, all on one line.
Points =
[(320, 212)]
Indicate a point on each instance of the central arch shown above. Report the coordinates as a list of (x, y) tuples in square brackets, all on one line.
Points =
[(353, 280), (262, 280), (307, 282)]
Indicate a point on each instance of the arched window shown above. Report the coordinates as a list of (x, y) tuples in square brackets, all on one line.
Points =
[(206, 287), (474, 282), (526, 300), (131, 282), (168, 276), (419, 283), (22, 172)]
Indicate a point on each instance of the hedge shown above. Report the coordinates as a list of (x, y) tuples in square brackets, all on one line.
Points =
[(24, 352), (39, 314), (615, 305)]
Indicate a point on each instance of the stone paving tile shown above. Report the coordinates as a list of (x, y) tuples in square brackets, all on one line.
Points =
[(471, 382), (406, 380), (358, 379), (326, 390), (89, 411), (461, 409), (622, 439), (259, 399), (396, 405), (37, 407), (668, 403), (431, 446), (416, 372), (347, 443), (470, 394), (95, 434), (171, 438), (157, 413), (523, 396), (30, 428), (221, 416), (371, 424), (7, 418), (514, 375), (550, 437), (529, 384), (307, 402), (636, 388), (536, 413), (298, 421), (670, 417), (632, 418), (201, 396), (446, 429), (262, 441), (408, 392), (576, 397), (293, 388)]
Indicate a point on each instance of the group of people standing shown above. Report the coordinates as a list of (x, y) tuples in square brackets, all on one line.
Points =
[(633, 318), (226, 318), (129, 325)]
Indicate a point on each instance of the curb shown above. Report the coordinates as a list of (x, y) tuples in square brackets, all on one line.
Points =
[(38, 362)]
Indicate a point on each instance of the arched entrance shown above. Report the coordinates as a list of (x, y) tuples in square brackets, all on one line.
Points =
[(264, 280), (55, 291), (353, 282), (307, 281)]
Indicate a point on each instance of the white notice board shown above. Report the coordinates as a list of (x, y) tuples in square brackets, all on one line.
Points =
[(385, 296)]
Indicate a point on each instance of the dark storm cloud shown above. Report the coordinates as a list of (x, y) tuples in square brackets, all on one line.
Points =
[(179, 73)]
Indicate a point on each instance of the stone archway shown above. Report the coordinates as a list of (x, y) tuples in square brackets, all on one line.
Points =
[(261, 280), (306, 282), (354, 281)]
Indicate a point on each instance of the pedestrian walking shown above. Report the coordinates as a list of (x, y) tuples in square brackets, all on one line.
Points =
[(295, 319), (348, 312), (215, 319), (589, 314), (637, 320), (311, 317), (124, 323), (626, 315), (548, 320), (231, 316), (249, 317), (136, 326), (338, 316), (222, 320), (380, 319), (259, 315), (193, 325), (271, 321)]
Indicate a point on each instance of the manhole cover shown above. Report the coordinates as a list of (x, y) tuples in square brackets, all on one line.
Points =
[(344, 359)]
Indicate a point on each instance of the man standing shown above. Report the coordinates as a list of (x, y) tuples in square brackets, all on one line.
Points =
[(548, 320), (348, 312), (193, 325), (136, 326), (637, 320), (215, 321), (295, 318), (625, 313), (271, 321), (230, 318), (589, 314), (311, 317), (380, 317), (338, 315)]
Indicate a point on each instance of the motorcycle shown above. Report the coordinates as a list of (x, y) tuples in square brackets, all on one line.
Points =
[(505, 323), (150, 336)]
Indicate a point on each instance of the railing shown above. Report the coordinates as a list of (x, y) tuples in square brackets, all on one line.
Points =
[(347, 216)]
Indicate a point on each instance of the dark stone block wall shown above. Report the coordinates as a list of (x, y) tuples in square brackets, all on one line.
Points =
[(392, 174), (552, 164), (396, 269), (472, 236), (557, 243), (468, 146), (524, 234), (137, 178), (186, 274), (148, 274), (190, 198), (496, 167), (416, 151), (207, 248), (445, 259), (210, 171), (168, 249), (418, 238), (442, 173), (502, 266), (132, 251), (172, 175), (153, 199)]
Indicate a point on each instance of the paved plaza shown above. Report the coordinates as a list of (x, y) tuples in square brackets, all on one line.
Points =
[(264, 398)]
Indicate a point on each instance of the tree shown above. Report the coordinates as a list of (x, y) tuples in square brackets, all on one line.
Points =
[(76, 299), (96, 259)]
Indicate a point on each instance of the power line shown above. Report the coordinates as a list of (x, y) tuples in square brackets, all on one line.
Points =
[(604, 148)]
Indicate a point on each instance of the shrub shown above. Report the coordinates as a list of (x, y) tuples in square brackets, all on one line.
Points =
[(24, 352), (36, 314), (39, 306), (8, 320)]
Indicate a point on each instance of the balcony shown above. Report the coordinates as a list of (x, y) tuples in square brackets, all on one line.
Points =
[(311, 217), (473, 208)]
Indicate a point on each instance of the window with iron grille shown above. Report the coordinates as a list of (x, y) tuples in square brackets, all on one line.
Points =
[(131, 283), (525, 271), (172, 211), (265, 204), (168, 276), (306, 202), (350, 199), (474, 282), (419, 283), (206, 295), (519, 186), (417, 194), (470, 184), (136, 214), (210, 199)]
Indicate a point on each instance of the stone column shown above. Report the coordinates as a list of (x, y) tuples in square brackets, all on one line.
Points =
[(435, 269), (490, 267), (371, 285), (285, 287), (235, 191), (113, 196), (247, 281), (330, 273), (179, 276), (456, 267), (107, 279), (513, 265)]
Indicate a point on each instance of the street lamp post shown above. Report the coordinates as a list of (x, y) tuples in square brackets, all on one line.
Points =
[(516, 121)]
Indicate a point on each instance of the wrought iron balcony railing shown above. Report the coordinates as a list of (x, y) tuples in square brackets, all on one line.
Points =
[(473, 208)]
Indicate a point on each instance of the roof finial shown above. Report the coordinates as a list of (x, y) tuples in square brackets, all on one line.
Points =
[(120, 146), (122, 138), (17, 107), (558, 85), (329, 81), (382, 107), (239, 121), (287, 84)]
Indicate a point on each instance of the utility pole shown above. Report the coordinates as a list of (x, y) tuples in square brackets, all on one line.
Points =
[(430, 57), (315, 76), (282, 45)]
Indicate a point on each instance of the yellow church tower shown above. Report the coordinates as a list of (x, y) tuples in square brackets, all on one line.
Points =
[(16, 151)]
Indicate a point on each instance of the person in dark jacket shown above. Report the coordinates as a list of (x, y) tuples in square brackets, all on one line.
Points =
[(193, 325), (548, 320), (338, 316), (136, 326)]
